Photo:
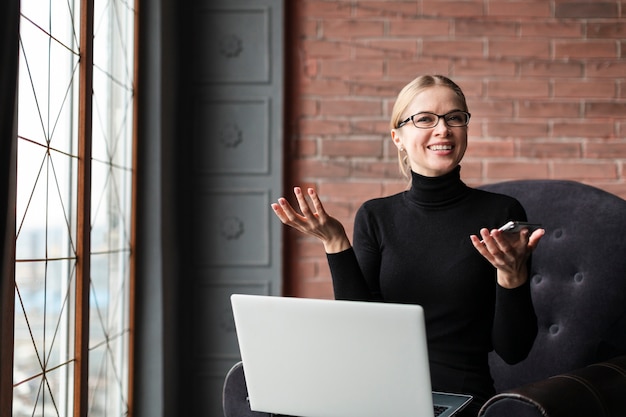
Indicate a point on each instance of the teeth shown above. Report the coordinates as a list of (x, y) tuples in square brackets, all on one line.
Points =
[(441, 147)]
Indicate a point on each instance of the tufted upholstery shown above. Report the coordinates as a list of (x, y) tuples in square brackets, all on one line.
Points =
[(579, 291)]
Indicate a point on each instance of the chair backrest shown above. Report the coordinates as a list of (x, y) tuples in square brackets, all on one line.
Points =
[(578, 278)]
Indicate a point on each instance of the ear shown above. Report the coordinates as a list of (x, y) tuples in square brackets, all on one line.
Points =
[(397, 140)]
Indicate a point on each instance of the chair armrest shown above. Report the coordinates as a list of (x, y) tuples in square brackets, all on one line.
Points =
[(596, 390), (235, 395)]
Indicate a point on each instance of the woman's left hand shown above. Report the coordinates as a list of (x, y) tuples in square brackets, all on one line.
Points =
[(508, 253)]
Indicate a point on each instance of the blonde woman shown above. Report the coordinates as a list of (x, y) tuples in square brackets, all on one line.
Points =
[(436, 245)]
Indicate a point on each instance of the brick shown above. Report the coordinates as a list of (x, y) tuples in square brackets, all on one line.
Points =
[(388, 170), (582, 129), (586, 10), (482, 67), (400, 49), (605, 150), (316, 290), (409, 70), (516, 170), (350, 107), (387, 9), (473, 27), (352, 28), (307, 29), (544, 150), (303, 148), (518, 88), (519, 48), (519, 9), (322, 126), (453, 8), (316, 9), (492, 108), (585, 49), (549, 109), (490, 148), (352, 148), (308, 107), (584, 89), (606, 30), (374, 126), (419, 27), (584, 171), (603, 109), (321, 168), (324, 87), (517, 128), (348, 191), (605, 68), (471, 169), (376, 88), (549, 29), (344, 69), (453, 48), (551, 69), (323, 49)]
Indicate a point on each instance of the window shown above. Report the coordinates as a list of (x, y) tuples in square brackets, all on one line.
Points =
[(73, 231)]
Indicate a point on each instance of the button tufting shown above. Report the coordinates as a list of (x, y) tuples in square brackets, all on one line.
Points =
[(558, 233), (578, 277), (537, 279), (554, 329)]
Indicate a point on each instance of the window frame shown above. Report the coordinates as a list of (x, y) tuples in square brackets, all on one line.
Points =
[(80, 389)]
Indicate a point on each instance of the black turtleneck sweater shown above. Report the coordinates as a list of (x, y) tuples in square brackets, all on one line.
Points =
[(414, 247)]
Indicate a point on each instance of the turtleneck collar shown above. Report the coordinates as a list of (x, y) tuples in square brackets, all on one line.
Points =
[(437, 191)]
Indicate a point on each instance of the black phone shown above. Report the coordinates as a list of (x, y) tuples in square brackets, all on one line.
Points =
[(516, 226)]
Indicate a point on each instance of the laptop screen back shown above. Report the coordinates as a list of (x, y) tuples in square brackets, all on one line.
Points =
[(327, 358)]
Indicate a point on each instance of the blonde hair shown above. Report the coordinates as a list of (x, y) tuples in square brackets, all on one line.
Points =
[(404, 100)]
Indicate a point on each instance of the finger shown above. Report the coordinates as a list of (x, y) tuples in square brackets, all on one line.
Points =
[(317, 204), (288, 211), (304, 205), (479, 245), (534, 239), (280, 213)]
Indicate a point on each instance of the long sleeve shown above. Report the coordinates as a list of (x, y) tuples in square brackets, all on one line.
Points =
[(515, 323), (348, 282)]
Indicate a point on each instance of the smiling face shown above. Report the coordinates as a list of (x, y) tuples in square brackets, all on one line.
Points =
[(434, 151)]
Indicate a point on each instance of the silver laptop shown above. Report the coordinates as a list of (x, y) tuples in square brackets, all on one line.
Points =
[(326, 358)]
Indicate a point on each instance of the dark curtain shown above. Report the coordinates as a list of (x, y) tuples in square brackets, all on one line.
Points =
[(156, 308), (9, 58)]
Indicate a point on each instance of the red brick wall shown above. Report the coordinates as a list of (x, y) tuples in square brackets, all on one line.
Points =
[(545, 82)]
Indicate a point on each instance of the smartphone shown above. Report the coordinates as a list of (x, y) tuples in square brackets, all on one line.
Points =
[(514, 227)]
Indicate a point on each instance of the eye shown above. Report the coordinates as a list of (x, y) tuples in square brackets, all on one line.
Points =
[(456, 116), (424, 118)]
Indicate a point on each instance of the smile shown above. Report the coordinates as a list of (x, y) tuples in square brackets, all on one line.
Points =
[(440, 147)]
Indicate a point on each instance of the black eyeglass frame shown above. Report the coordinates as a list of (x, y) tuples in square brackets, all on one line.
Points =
[(439, 117)]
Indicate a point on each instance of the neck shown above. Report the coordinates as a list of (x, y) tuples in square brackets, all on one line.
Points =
[(437, 191)]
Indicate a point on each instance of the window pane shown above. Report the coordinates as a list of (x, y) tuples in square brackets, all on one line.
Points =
[(111, 207), (46, 210)]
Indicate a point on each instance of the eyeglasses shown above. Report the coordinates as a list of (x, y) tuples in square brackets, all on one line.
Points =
[(427, 120)]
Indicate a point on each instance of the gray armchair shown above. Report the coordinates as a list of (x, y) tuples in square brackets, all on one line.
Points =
[(577, 366)]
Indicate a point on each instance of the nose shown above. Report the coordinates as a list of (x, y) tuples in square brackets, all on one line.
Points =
[(442, 127)]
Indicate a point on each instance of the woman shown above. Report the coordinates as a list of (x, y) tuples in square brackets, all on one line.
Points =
[(420, 246)]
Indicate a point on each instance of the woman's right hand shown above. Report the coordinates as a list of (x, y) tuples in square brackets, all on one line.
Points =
[(315, 223)]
